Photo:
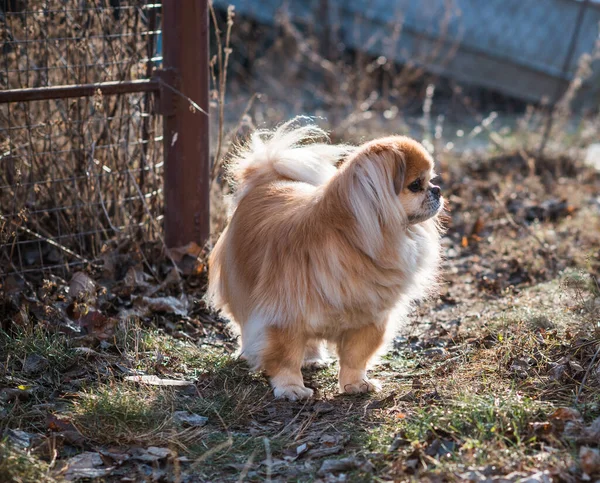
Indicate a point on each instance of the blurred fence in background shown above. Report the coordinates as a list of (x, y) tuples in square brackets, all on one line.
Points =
[(526, 49)]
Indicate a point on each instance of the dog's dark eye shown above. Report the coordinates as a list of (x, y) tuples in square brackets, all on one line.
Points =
[(415, 186)]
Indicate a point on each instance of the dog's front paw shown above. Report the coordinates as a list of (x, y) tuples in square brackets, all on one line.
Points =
[(353, 381), (292, 392), (364, 385)]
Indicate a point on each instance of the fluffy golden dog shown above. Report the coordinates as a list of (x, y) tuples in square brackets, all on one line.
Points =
[(314, 253)]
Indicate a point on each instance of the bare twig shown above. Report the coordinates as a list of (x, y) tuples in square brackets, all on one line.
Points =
[(181, 94), (219, 160), (223, 53), (269, 458), (99, 189), (247, 466)]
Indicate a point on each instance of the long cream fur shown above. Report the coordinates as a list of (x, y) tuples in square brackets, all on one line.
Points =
[(314, 253)]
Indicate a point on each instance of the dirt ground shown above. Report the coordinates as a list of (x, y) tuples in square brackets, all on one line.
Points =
[(124, 374)]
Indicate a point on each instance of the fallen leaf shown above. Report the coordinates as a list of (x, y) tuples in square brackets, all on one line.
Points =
[(86, 465), (471, 476), (591, 433), (409, 396), (576, 431), (322, 452), (47, 447), (575, 366), (398, 442), (87, 352), (303, 448), (18, 438), (328, 439), (566, 414), (114, 456), (157, 381), (22, 393), (383, 403), (74, 438), (56, 423), (151, 454), (520, 367), (542, 428), (97, 325), (477, 227), (323, 407), (136, 278), (81, 286), (172, 278), (522, 477), (192, 249), (192, 420), (169, 305)]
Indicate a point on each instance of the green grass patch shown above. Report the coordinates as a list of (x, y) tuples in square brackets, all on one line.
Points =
[(55, 348), (482, 418)]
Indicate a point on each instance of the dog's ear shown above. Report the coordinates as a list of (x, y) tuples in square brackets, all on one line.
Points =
[(398, 170)]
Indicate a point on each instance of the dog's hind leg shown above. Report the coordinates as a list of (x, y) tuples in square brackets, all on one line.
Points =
[(315, 354)]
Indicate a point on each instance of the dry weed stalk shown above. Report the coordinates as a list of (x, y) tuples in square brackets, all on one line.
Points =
[(221, 60)]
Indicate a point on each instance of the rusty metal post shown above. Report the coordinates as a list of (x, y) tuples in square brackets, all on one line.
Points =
[(186, 135)]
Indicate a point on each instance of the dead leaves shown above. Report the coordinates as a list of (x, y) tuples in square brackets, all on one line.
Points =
[(86, 465), (320, 447), (99, 464), (563, 369), (567, 423)]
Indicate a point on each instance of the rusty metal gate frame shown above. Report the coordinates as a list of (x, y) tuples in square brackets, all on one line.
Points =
[(181, 84)]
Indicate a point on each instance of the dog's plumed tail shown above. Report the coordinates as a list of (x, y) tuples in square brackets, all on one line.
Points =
[(295, 151)]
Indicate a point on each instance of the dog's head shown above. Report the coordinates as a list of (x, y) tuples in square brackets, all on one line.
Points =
[(408, 168)]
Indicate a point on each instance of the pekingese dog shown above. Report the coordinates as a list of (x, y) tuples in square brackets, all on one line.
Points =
[(315, 253)]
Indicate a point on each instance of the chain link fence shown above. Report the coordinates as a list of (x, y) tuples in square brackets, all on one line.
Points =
[(78, 175)]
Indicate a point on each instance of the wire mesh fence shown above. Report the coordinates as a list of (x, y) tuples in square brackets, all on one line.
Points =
[(78, 174)]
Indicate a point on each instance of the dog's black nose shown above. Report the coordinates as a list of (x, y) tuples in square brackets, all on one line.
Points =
[(436, 191)]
